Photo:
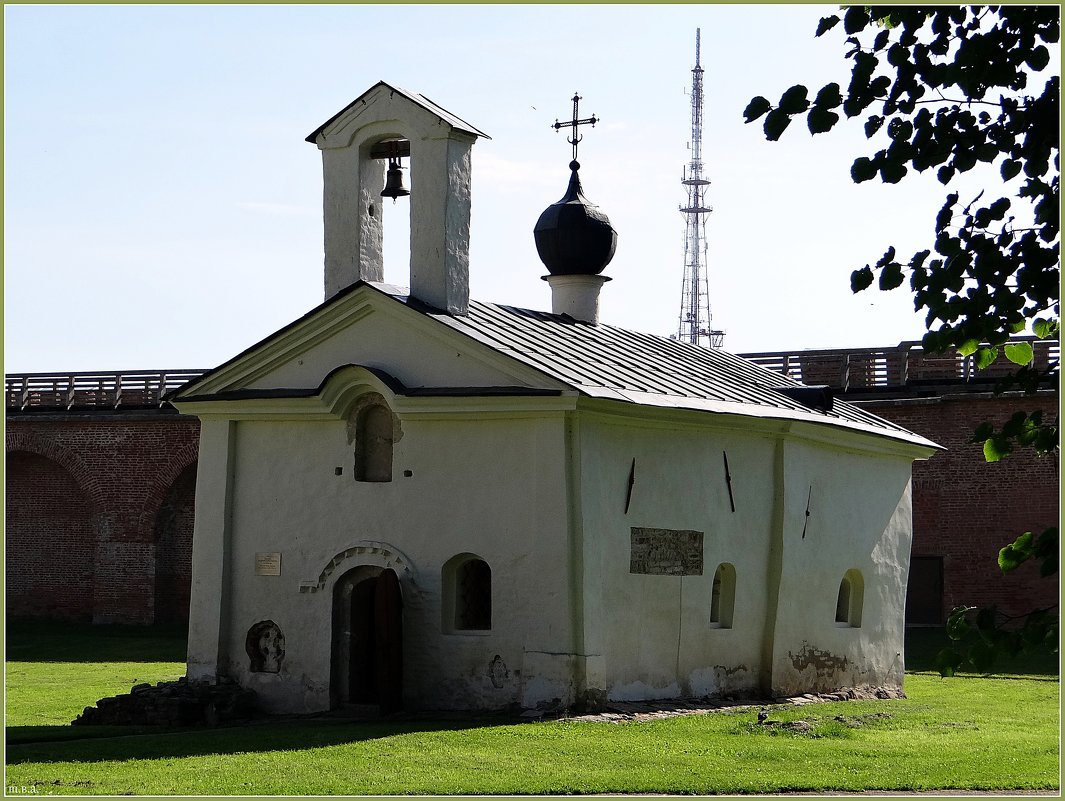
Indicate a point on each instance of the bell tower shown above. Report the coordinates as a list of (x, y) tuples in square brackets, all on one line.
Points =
[(377, 131)]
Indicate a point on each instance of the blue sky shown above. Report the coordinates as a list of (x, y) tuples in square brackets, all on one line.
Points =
[(163, 210)]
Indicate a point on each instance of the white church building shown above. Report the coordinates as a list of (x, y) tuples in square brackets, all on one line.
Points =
[(414, 499)]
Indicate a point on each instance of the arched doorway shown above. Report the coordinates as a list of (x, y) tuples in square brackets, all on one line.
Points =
[(367, 642)]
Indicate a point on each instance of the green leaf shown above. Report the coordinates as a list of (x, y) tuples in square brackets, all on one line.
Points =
[(985, 357), (946, 214), (829, 96), (968, 347), (756, 108), (1047, 549), (861, 279), (1045, 329), (872, 125), (862, 170), (1016, 553), (855, 19), (1019, 353), (996, 448), (1009, 169), (775, 123), (826, 24), (958, 624), (948, 661), (1038, 58), (821, 121), (891, 276), (794, 100)]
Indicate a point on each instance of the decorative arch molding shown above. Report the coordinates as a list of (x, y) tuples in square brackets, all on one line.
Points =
[(345, 387), (87, 479), (366, 552)]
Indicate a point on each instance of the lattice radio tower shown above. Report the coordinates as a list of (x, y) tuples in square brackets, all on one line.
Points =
[(695, 321)]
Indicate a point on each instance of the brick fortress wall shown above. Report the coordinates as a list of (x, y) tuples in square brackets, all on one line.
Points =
[(966, 509), (100, 509), (99, 512)]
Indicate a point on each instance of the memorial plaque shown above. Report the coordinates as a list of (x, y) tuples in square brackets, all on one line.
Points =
[(665, 552), (268, 564)]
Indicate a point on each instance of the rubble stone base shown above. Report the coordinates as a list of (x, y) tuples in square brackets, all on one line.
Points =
[(173, 703)]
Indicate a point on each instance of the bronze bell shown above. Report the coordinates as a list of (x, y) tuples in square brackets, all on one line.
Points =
[(394, 181)]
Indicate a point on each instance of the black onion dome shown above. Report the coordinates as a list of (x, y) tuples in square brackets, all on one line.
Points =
[(573, 237)]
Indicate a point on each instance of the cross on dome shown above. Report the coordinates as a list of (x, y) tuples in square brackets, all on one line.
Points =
[(573, 124)]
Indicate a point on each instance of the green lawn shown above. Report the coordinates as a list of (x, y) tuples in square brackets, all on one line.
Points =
[(965, 733)]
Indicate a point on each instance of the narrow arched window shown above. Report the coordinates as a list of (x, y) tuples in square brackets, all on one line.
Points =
[(850, 598), (467, 602), (373, 444), (473, 602), (723, 596)]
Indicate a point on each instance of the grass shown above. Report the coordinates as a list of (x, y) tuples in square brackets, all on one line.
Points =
[(966, 733), (50, 678)]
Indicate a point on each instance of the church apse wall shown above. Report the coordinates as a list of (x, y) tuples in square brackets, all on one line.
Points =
[(847, 560), (715, 581)]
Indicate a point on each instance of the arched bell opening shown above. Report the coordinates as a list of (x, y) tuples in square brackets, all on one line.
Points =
[(391, 206)]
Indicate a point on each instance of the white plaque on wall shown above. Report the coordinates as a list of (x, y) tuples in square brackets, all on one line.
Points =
[(268, 564)]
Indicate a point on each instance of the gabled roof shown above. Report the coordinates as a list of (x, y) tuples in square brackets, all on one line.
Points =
[(611, 363), (414, 97), (604, 361)]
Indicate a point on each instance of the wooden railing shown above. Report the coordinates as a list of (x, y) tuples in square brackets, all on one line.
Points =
[(906, 363), (127, 389)]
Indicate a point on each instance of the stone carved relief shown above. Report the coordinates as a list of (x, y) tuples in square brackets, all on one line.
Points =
[(497, 672), (665, 552), (266, 647)]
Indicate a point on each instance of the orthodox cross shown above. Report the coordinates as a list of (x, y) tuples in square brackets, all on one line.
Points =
[(573, 124)]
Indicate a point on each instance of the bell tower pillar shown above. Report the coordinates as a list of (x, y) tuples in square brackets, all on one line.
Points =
[(439, 146)]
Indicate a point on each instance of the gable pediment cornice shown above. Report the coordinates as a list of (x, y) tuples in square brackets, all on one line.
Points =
[(332, 317)]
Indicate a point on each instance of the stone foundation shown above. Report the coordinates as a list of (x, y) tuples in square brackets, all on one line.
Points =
[(173, 703)]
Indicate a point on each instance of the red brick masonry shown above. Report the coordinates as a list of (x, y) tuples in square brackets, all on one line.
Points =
[(966, 509), (99, 516), (100, 510)]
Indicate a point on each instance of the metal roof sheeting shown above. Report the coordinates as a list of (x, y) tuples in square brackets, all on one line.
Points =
[(603, 361)]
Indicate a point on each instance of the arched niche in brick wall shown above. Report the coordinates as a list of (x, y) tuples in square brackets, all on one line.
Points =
[(173, 548), (50, 542)]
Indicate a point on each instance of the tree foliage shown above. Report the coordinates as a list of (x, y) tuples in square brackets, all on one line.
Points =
[(956, 89)]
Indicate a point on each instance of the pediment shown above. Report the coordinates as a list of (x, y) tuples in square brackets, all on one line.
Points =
[(365, 325), (383, 102)]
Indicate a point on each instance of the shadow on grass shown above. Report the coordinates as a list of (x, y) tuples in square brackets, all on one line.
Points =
[(119, 743), (922, 645), (56, 641)]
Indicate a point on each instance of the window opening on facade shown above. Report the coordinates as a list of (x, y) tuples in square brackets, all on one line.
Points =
[(468, 594), (473, 605), (849, 599), (373, 444), (723, 596)]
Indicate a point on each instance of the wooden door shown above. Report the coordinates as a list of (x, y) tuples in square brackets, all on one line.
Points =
[(388, 634)]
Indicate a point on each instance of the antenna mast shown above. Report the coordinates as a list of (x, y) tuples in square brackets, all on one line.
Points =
[(695, 321)]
